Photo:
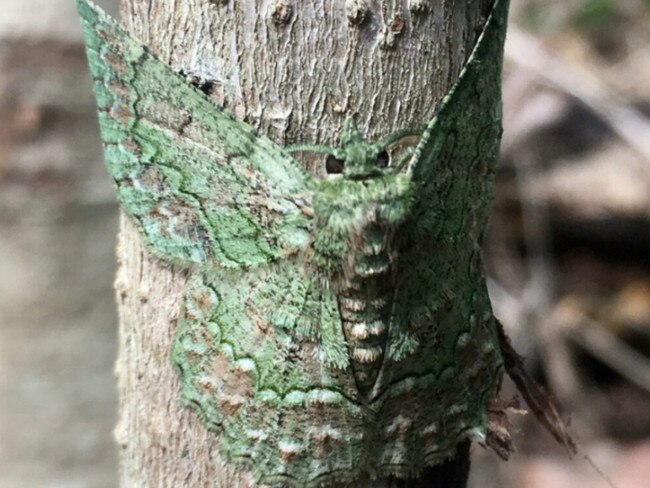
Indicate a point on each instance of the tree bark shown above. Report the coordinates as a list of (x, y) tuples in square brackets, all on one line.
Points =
[(290, 69)]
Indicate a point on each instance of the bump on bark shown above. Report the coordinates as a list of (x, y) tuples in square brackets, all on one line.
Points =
[(282, 11), (357, 11), (392, 32), (418, 7)]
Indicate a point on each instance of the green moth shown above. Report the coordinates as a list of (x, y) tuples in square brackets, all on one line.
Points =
[(336, 326)]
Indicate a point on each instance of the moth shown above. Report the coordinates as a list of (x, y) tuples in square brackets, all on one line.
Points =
[(333, 327)]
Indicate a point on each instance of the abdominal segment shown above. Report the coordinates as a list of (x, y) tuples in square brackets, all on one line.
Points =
[(365, 300)]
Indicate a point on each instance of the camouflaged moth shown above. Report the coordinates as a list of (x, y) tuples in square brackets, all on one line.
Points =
[(333, 326)]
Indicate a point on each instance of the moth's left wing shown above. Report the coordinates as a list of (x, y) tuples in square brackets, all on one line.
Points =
[(201, 186)]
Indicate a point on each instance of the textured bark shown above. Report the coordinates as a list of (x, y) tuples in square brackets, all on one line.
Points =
[(290, 72)]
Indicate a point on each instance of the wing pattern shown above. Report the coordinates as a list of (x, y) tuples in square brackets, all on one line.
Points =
[(443, 322), (260, 348), (202, 186)]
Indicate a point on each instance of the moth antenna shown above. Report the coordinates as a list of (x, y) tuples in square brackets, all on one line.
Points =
[(404, 158), (315, 148), (393, 138)]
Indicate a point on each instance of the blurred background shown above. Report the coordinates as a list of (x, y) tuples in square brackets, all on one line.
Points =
[(567, 249)]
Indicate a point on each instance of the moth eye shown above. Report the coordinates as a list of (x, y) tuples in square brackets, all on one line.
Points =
[(382, 159), (334, 165)]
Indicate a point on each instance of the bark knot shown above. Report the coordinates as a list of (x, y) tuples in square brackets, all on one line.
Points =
[(282, 11), (357, 11)]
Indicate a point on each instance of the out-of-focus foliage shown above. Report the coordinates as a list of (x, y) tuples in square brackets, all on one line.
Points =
[(544, 16), (570, 233), (596, 14)]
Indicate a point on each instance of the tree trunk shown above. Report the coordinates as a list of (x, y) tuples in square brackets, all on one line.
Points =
[(289, 68)]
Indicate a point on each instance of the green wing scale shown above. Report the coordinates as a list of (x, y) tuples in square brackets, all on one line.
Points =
[(196, 180), (332, 327), (449, 328)]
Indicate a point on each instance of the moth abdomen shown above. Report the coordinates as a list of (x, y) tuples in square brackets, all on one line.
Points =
[(365, 327), (353, 249), (365, 300)]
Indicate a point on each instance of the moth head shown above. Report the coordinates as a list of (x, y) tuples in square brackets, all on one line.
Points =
[(357, 158)]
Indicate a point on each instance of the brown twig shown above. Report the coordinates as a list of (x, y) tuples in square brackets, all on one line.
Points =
[(537, 399)]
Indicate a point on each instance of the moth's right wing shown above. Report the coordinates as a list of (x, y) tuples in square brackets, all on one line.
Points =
[(441, 289), (201, 186), (453, 166)]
